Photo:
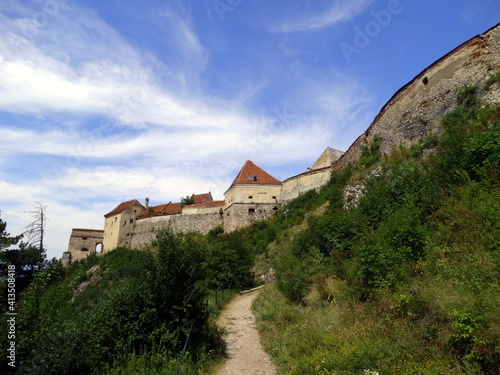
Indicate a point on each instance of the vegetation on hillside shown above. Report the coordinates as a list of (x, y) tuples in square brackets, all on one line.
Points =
[(130, 312), (406, 282)]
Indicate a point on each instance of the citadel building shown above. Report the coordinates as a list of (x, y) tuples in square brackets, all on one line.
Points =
[(253, 195)]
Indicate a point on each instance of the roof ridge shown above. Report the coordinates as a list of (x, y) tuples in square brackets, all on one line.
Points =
[(252, 174)]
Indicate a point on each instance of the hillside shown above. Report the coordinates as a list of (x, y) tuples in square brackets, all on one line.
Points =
[(129, 311), (393, 267), (402, 277)]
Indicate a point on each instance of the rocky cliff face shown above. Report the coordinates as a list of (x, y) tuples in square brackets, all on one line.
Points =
[(416, 109)]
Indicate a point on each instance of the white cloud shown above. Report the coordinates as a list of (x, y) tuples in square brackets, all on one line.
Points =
[(167, 138), (339, 11)]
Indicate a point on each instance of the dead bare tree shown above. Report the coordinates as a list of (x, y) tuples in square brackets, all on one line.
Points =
[(34, 232)]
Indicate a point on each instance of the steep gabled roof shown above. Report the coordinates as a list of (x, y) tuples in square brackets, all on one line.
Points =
[(172, 209), (251, 174), (158, 210), (124, 206), (201, 198)]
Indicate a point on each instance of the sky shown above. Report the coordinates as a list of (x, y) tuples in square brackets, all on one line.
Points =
[(104, 101)]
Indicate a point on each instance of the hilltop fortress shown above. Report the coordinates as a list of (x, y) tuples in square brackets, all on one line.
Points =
[(411, 114), (253, 195)]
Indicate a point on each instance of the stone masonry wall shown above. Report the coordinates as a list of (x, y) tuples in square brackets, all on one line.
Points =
[(83, 242), (145, 229), (416, 109), (240, 215), (295, 186)]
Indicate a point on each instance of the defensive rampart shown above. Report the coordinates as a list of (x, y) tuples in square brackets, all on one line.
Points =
[(416, 109)]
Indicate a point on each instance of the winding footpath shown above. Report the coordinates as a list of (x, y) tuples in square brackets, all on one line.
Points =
[(245, 353)]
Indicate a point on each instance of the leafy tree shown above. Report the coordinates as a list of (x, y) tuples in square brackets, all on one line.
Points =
[(187, 200)]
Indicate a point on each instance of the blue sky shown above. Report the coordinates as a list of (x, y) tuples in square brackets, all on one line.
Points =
[(107, 101)]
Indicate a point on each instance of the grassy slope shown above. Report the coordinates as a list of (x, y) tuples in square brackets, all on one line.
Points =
[(407, 282)]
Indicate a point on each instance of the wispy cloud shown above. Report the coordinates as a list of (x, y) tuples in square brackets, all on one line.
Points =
[(164, 135), (339, 11)]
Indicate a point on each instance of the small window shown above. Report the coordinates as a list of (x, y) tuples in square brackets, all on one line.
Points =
[(84, 238), (250, 197), (252, 178), (84, 249), (251, 210), (131, 221), (128, 234), (275, 208), (274, 196)]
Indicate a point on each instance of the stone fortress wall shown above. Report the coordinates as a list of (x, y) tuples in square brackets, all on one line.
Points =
[(411, 114), (145, 229), (416, 109), (82, 243)]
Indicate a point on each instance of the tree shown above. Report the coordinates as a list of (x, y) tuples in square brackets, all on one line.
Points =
[(5, 239), (187, 200), (34, 231), (26, 258)]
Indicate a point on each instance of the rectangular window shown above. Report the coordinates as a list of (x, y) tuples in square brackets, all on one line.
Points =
[(252, 178), (251, 210), (250, 197), (131, 221)]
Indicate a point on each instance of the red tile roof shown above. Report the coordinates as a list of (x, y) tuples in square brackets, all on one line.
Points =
[(201, 198), (251, 174), (158, 209), (124, 206), (172, 209), (207, 204)]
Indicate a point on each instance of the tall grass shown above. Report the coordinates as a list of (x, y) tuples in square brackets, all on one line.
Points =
[(408, 281)]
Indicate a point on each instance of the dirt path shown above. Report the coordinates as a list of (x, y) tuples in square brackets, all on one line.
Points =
[(246, 356)]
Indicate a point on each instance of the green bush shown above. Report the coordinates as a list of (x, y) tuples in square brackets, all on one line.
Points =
[(421, 249)]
